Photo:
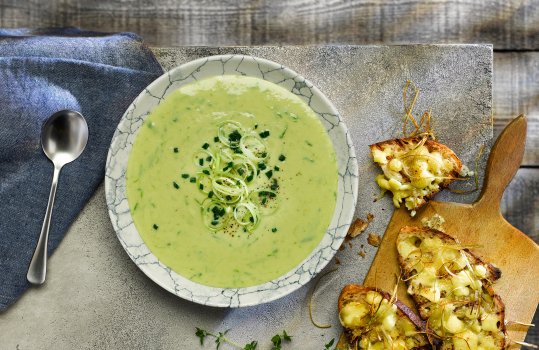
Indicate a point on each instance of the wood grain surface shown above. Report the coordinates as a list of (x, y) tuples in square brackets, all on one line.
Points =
[(511, 26)]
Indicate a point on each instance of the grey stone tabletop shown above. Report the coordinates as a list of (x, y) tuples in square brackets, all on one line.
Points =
[(95, 296)]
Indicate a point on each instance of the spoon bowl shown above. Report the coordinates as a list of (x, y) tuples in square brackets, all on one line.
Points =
[(63, 138)]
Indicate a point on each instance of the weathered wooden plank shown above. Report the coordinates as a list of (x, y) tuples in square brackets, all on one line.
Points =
[(520, 206), (506, 24), (516, 91), (520, 203)]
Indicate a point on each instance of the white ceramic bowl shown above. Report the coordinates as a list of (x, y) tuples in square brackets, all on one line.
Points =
[(122, 142)]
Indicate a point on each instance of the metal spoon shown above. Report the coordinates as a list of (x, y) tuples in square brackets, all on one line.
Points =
[(63, 138)]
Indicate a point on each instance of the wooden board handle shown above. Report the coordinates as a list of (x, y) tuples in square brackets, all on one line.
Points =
[(503, 162)]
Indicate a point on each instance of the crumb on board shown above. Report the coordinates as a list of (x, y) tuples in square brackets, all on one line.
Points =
[(369, 217), (337, 261), (362, 253), (435, 222), (374, 239), (357, 227)]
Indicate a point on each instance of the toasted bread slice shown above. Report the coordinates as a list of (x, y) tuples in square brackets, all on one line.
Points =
[(452, 288), (372, 320), (414, 169)]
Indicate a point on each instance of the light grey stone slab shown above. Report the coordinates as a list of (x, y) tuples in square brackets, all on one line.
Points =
[(96, 298)]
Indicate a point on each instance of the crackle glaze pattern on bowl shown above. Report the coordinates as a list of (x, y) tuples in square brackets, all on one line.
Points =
[(124, 137)]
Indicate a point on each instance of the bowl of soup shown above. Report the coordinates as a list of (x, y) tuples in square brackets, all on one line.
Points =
[(231, 181)]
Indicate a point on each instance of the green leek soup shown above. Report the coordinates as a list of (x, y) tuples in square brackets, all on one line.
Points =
[(232, 181)]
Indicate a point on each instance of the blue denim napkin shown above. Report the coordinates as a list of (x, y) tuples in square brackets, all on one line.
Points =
[(41, 72)]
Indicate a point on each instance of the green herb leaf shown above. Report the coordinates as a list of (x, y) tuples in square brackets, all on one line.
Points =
[(234, 136), (274, 185), (155, 227), (274, 229), (185, 176), (221, 338), (276, 340), (282, 158), (175, 184), (284, 132), (328, 345), (206, 145), (286, 336), (264, 134), (251, 346), (201, 334), (193, 180), (176, 149)]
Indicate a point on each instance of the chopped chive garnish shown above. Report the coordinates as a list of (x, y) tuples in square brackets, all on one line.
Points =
[(201, 162), (176, 186), (241, 171), (282, 158), (269, 174), (155, 227), (264, 200), (261, 166), (208, 158), (276, 168), (206, 171), (201, 186), (193, 180), (210, 194), (185, 176), (176, 149), (214, 222), (249, 178), (264, 134), (228, 198), (274, 229), (206, 145), (216, 139), (256, 126), (234, 136), (275, 185)]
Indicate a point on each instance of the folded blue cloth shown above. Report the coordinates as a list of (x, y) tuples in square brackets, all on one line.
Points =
[(41, 72)]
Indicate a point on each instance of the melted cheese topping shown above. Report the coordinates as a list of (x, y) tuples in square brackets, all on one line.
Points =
[(459, 310), (374, 321), (410, 173)]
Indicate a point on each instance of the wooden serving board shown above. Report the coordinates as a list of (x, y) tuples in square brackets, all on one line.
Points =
[(481, 224)]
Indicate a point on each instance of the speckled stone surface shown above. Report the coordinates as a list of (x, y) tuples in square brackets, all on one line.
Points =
[(96, 298)]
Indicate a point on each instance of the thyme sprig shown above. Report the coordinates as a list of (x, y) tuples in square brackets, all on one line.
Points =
[(220, 339)]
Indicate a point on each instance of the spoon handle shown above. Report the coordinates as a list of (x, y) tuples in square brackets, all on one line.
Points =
[(38, 266)]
